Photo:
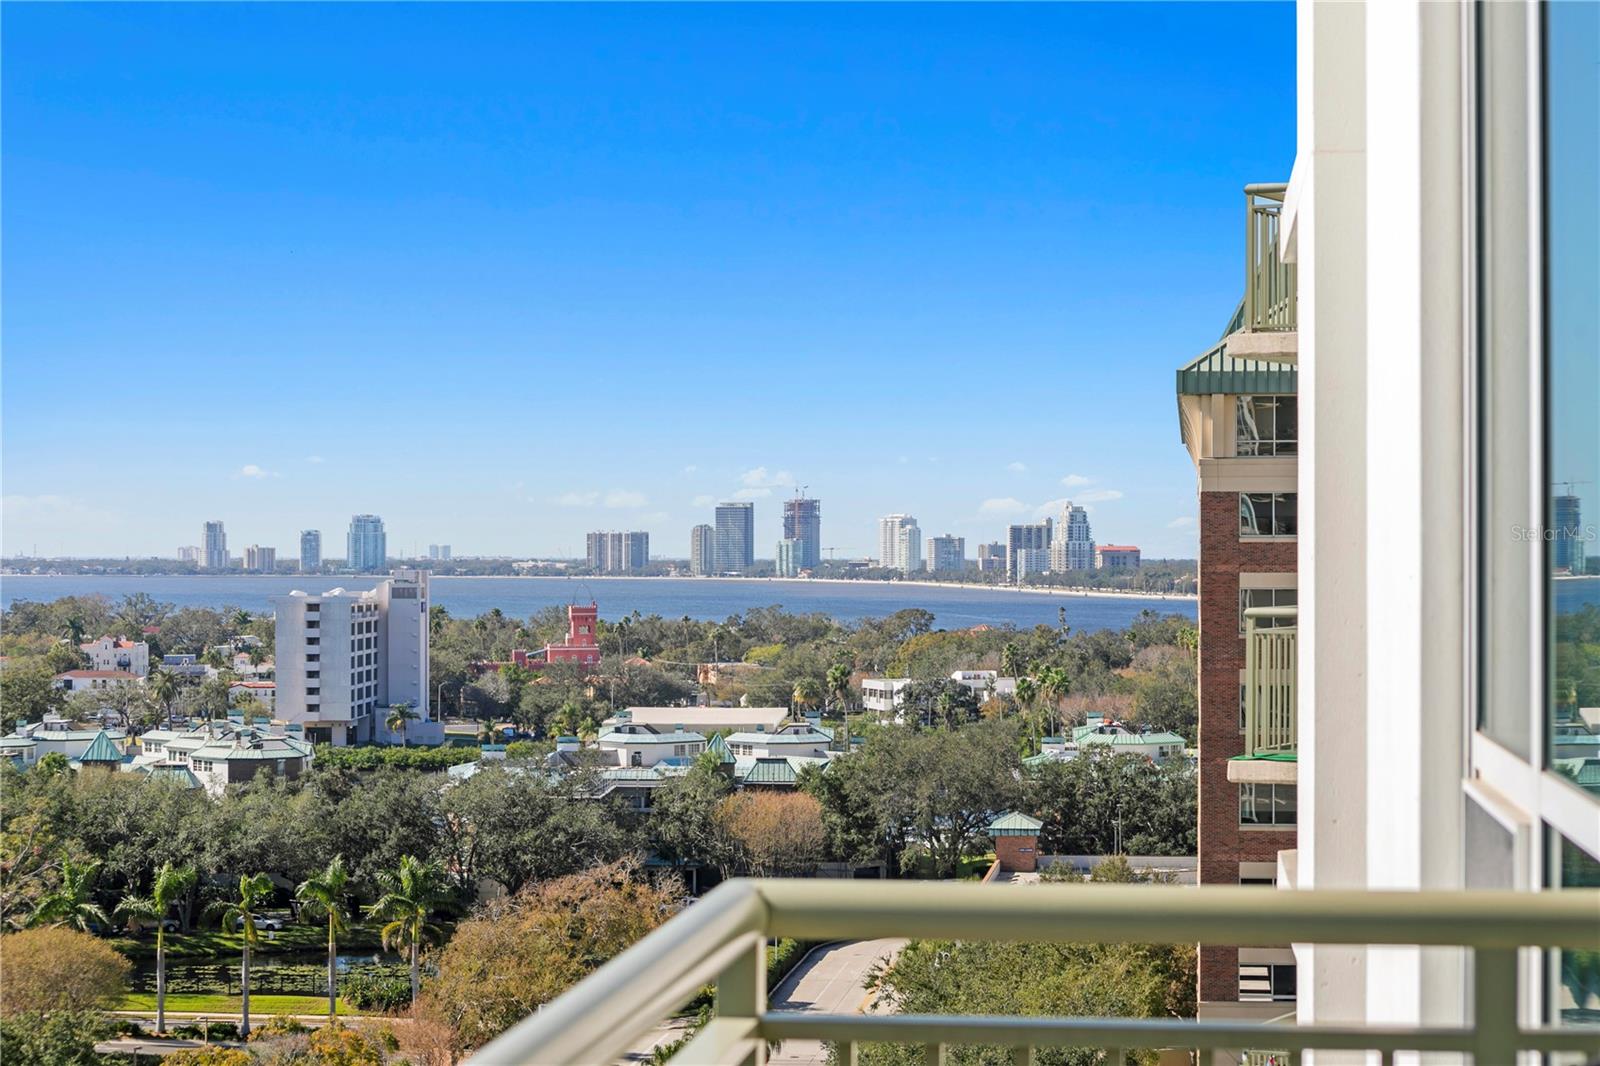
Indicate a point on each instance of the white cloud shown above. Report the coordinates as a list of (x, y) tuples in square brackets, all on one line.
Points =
[(761, 478), (703, 500), (655, 516), (251, 470), (577, 499), (1073, 481), (1098, 496), (752, 494), (1183, 521), (1050, 508), (625, 499), (314, 459), (48, 506), (1003, 505), (690, 469), (1017, 467)]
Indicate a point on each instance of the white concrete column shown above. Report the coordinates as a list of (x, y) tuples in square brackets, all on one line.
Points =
[(1330, 166)]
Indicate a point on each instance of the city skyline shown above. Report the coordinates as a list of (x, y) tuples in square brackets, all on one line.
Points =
[(600, 230)]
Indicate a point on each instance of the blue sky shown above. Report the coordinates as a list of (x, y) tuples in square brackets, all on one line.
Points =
[(504, 274)]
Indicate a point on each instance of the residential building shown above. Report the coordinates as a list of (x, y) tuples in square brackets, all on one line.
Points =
[(1100, 734), (634, 745), (215, 755), (259, 560), (214, 542), (582, 645), (94, 680), (802, 522), (191, 553), (344, 659), (1072, 543), (1028, 563), (439, 552), (881, 695), (800, 739), (707, 720), (263, 692), (947, 554), (114, 653), (702, 549), (611, 552), (899, 543), (733, 545), (992, 557), (1027, 537), (1116, 557), (57, 735), (367, 549), (1237, 417), (310, 550), (790, 550)]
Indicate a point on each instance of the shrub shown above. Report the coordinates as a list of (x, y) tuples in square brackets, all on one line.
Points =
[(443, 757), (64, 1038), (209, 1056), (206, 1031), (386, 989), (276, 1026), (340, 1045), (59, 969)]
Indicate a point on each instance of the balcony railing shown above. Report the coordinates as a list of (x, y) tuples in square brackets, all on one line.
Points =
[(722, 940), (1269, 283), (1269, 680)]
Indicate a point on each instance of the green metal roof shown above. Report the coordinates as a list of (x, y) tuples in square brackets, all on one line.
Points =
[(771, 772), (1217, 372), (809, 737), (1014, 823), (1129, 739), (18, 742), (719, 748), (1268, 756), (173, 772), (101, 750), (674, 737)]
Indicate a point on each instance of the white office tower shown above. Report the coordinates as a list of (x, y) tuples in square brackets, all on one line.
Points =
[(1072, 545), (214, 547), (344, 659), (899, 543)]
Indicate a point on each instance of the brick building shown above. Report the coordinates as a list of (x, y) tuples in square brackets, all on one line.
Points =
[(1237, 409), (582, 645)]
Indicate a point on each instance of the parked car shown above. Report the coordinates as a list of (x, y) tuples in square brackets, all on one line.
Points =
[(264, 924)]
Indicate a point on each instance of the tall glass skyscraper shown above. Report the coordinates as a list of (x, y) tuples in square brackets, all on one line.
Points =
[(368, 544), (214, 550), (310, 550), (734, 545), (802, 523)]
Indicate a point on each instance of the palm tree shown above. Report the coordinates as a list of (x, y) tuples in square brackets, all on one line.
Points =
[(214, 697), (241, 618), (71, 902), (72, 629), (163, 685), (243, 910), (410, 895), (838, 682), (1011, 660), (326, 893), (806, 693), (171, 885), (1027, 697), (400, 714), (213, 658), (1054, 683)]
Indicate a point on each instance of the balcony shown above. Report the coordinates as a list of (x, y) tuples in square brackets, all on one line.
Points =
[(722, 941), (1270, 730)]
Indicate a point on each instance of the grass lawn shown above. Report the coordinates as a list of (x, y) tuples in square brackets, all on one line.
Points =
[(971, 867), (219, 1004)]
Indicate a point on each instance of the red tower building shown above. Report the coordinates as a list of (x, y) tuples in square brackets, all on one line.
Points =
[(582, 646)]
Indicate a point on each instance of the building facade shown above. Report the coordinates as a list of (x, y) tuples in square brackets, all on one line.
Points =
[(1116, 557), (260, 560), (191, 553), (702, 550), (734, 541), (992, 557), (1028, 537), (611, 552), (582, 644), (439, 552), (899, 543), (114, 653), (802, 522), (367, 549), (214, 546), (1072, 543), (947, 554), (790, 552), (1568, 536), (310, 550), (345, 659)]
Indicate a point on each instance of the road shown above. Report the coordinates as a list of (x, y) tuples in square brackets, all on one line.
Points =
[(831, 981)]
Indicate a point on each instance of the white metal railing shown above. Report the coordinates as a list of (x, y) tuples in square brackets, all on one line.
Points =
[(1269, 680), (722, 940)]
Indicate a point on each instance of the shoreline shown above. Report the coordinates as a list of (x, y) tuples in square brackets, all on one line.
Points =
[(969, 586)]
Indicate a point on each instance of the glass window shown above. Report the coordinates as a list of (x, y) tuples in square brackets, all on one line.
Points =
[(1262, 804), (1266, 598), (1267, 425), (1266, 981), (1572, 402), (1268, 514)]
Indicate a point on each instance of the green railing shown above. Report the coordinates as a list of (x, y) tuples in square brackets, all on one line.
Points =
[(1269, 282), (722, 940), (1269, 680)]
